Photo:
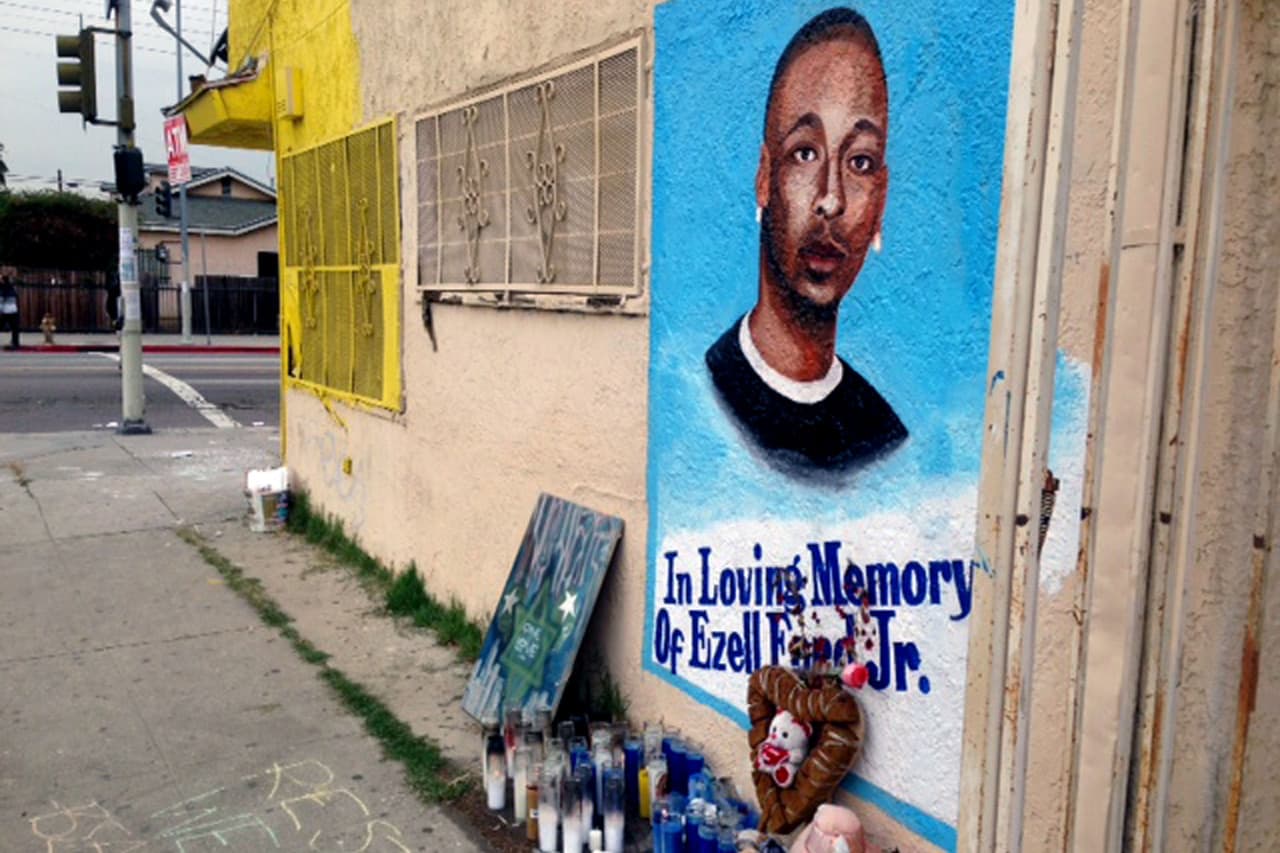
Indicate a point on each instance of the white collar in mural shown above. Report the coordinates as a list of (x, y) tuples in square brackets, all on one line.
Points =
[(798, 392)]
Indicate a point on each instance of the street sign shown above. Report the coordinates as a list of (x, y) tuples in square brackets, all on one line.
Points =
[(175, 144)]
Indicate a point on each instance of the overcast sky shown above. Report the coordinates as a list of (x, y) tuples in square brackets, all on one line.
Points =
[(38, 140)]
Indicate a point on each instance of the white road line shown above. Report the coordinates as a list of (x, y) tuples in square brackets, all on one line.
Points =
[(185, 393)]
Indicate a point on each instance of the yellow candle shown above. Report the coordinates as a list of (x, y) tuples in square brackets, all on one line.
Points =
[(644, 792)]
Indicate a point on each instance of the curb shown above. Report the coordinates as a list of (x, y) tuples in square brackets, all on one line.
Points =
[(153, 348)]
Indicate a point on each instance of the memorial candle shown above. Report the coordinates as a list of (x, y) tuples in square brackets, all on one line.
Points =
[(633, 757), (548, 810), (512, 736), (495, 773), (520, 782), (586, 777), (612, 806), (642, 793), (571, 813)]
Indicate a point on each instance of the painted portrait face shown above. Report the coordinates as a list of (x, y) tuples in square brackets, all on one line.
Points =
[(822, 177)]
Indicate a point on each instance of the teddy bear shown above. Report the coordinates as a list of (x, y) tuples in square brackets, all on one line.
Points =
[(784, 750)]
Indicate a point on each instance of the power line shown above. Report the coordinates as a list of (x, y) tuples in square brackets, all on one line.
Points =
[(27, 32)]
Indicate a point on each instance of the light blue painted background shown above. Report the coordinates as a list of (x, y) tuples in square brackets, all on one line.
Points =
[(915, 324)]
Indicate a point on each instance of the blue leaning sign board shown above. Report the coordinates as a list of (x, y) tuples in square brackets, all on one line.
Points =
[(543, 613)]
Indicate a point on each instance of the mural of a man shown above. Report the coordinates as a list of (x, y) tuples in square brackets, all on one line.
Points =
[(820, 186)]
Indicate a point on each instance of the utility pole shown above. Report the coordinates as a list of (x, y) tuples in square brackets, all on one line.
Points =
[(134, 399), (185, 297), (77, 93)]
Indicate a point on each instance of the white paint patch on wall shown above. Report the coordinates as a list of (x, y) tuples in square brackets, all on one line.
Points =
[(1066, 460)]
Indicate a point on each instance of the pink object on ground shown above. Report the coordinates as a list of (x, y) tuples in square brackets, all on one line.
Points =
[(835, 829)]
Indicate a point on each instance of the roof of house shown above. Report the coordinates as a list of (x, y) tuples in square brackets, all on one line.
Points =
[(209, 215), (201, 175)]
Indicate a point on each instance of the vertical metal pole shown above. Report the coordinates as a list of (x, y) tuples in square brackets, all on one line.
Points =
[(204, 271), (184, 307), (133, 402)]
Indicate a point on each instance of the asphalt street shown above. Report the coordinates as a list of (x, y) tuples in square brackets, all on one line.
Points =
[(57, 392)]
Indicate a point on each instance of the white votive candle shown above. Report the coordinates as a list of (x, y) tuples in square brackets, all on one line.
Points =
[(548, 816), (572, 834), (496, 788), (520, 791), (596, 840), (613, 832)]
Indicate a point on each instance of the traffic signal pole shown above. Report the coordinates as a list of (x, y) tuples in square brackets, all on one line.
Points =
[(185, 298), (133, 397)]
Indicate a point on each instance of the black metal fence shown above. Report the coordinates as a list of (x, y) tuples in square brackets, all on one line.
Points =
[(85, 302)]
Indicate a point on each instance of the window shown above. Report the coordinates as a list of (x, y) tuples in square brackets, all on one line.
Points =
[(536, 188), (339, 208)]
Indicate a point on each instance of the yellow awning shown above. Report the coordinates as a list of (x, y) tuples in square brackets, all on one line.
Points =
[(234, 112)]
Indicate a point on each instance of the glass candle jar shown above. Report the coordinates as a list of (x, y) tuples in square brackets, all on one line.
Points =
[(571, 814), (520, 782), (613, 806), (512, 736), (495, 772), (548, 810), (652, 740), (586, 776)]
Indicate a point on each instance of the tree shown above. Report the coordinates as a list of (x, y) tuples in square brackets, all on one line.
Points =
[(53, 230)]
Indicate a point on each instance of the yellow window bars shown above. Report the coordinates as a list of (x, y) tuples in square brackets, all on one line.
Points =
[(340, 213)]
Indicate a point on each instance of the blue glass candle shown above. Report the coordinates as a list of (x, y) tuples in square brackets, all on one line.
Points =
[(694, 762), (708, 839), (700, 787), (633, 751), (692, 823), (677, 766)]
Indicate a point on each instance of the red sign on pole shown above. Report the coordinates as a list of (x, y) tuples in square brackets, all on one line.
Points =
[(175, 145)]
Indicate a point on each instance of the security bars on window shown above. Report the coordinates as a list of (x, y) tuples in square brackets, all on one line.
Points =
[(536, 188)]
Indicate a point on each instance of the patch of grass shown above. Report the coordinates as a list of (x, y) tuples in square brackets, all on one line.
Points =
[(404, 595), (423, 762), (426, 769)]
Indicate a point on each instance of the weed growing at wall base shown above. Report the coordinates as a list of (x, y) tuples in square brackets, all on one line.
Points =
[(424, 765), (405, 595)]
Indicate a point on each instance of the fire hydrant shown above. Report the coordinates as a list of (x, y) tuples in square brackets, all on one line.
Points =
[(48, 326)]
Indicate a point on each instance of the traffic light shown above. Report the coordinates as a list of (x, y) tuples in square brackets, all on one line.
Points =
[(164, 200), (82, 97)]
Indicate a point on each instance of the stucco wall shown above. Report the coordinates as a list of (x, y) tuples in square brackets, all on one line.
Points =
[(512, 402), (1219, 651)]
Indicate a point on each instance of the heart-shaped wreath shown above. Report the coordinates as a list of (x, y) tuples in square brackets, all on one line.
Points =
[(839, 730)]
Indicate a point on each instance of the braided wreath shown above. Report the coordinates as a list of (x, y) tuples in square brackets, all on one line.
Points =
[(840, 730)]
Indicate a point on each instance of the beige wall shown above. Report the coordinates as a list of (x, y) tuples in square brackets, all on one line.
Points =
[(223, 255)]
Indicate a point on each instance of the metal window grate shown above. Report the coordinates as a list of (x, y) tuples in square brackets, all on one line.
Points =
[(535, 188), (340, 212)]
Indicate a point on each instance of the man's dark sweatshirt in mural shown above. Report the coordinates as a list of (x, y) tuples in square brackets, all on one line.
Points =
[(834, 424)]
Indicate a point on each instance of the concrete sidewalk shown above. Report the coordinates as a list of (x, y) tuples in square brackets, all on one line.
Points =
[(110, 342), (143, 704)]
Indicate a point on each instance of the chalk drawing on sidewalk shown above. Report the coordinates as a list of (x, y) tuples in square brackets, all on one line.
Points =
[(305, 809), (89, 828)]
